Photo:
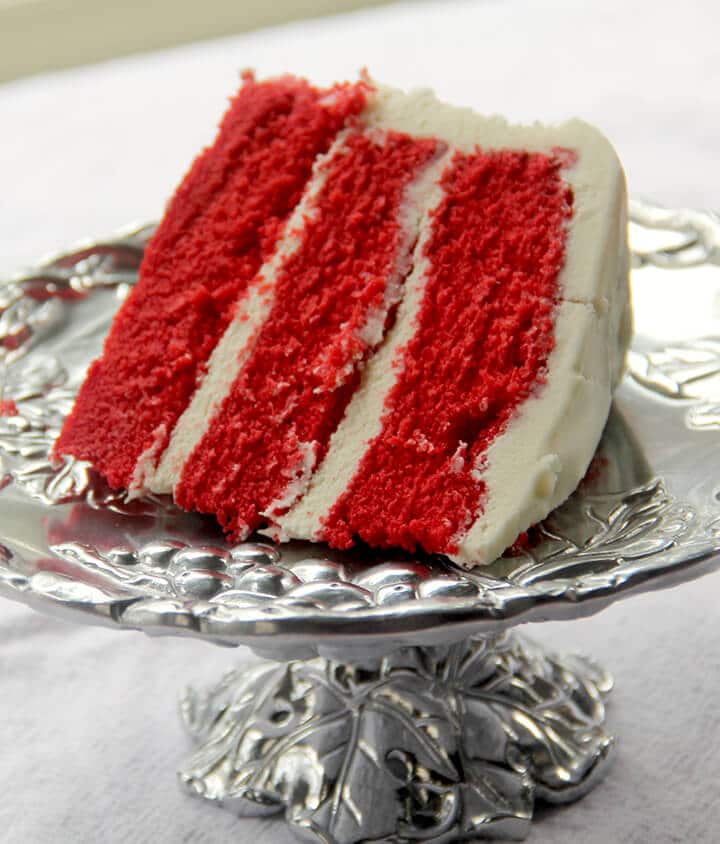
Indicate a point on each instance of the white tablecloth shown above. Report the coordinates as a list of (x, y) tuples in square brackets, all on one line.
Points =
[(88, 727)]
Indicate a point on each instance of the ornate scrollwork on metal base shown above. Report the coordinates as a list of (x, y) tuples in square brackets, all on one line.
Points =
[(430, 744)]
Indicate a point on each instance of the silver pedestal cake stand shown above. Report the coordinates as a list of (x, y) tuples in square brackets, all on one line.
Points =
[(400, 705)]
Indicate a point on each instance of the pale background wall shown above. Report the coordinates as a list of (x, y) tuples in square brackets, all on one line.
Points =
[(42, 35)]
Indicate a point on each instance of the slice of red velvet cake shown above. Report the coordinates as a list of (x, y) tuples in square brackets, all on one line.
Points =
[(370, 316)]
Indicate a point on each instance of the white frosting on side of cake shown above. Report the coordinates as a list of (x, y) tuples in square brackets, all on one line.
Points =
[(236, 344), (546, 449), (362, 421)]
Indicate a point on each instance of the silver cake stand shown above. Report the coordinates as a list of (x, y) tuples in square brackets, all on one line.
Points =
[(400, 705)]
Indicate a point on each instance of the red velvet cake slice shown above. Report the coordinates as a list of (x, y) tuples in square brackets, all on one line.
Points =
[(370, 316)]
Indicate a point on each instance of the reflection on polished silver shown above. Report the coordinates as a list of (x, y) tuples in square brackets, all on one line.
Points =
[(685, 371), (700, 236), (399, 726), (432, 744), (31, 303), (35, 308)]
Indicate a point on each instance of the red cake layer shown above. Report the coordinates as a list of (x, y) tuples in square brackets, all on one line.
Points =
[(293, 391), (484, 334), (221, 225)]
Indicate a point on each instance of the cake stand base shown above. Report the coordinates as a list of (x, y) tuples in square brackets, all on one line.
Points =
[(431, 744)]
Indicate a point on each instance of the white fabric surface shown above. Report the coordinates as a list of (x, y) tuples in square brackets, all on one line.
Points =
[(88, 726)]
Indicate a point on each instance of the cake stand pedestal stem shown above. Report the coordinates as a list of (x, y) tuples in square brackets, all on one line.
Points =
[(432, 744)]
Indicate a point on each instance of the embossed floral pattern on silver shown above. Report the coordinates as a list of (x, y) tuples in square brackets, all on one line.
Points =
[(431, 744), (644, 516)]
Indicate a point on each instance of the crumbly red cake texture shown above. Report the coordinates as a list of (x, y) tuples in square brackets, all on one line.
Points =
[(484, 335), (292, 394), (223, 222)]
